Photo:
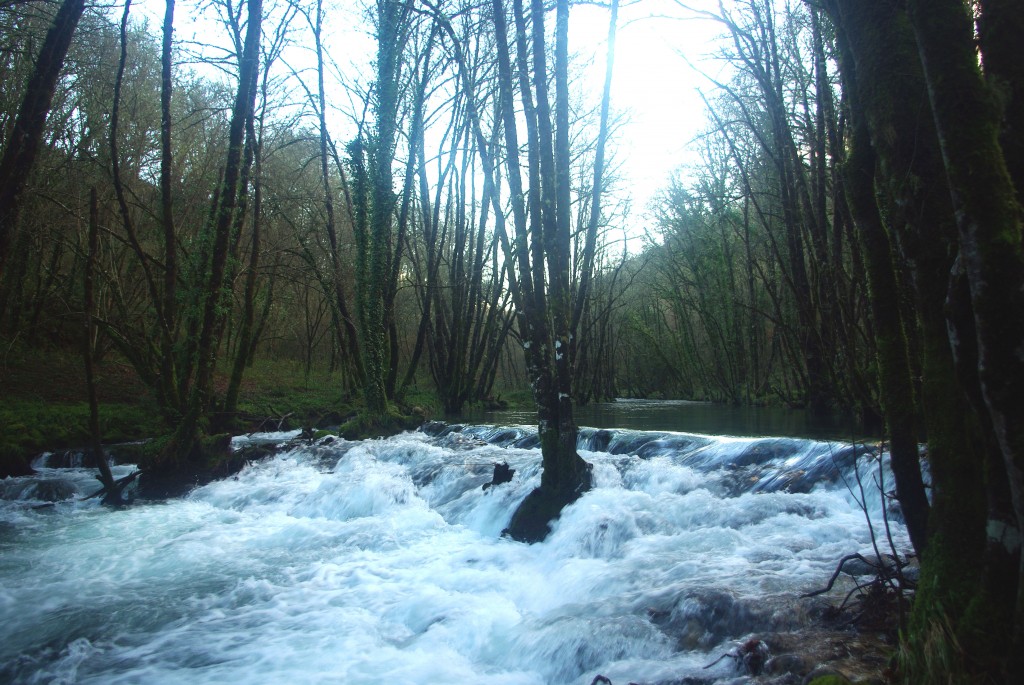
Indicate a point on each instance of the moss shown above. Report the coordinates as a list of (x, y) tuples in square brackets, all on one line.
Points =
[(425, 401), (830, 680), (366, 425), (30, 427)]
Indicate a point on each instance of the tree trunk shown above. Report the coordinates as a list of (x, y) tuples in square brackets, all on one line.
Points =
[(20, 153), (897, 392), (212, 297), (106, 477), (566, 475), (989, 222), (893, 94)]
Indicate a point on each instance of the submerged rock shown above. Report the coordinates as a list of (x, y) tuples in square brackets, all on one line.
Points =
[(702, 618)]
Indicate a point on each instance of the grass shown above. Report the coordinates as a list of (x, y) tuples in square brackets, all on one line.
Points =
[(32, 426), (44, 407), (282, 393)]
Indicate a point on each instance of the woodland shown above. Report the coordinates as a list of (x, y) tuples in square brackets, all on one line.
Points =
[(452, 223)]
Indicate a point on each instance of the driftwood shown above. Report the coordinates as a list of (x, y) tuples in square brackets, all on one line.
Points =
[(116, 496), (883, 571), (753, 654), (275, 416)]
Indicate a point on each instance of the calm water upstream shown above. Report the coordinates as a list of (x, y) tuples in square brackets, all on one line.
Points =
[(382, 562), (701, 417)]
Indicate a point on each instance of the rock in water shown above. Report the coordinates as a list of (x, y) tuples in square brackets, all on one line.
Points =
[(502, 474)]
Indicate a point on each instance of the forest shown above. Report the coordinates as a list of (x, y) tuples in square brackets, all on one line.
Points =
[(195, 189)]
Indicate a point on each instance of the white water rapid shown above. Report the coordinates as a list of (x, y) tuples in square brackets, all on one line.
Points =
[(382, 562)]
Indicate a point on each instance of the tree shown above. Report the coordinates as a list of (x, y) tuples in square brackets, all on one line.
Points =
[(22, 146), (958, 223), (207, 322), (990, 221), (538, 253), (374, 200)]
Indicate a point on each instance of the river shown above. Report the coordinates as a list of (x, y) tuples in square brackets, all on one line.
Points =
[(707, 418), (382, 562)]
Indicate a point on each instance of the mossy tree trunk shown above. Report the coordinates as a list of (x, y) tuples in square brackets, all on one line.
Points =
[(375, 202), (936, 140), (545, 307), (989, 221), (894, 380), (207, 322), (23, 143)]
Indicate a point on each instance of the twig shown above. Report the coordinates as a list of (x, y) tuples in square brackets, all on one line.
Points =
[(119, 485), (835, 574)]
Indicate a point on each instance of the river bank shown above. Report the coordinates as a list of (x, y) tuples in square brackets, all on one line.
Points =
[(43, 404)]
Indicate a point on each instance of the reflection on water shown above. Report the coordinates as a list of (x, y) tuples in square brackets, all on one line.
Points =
[(699, 417)]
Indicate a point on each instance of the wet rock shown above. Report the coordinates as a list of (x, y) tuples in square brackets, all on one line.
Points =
[(527, 442), (212, 461), (869, 565), (702, 618), (767, 450), (64, 459), (506, 437), (622, 441), (796, 664), (502, 474), (595, 440), (674, 445), (460, 441), (753, 654), (434, 428), (815, 651)]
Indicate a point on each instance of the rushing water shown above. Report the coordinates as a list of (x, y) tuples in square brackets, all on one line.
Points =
[(382, 562)]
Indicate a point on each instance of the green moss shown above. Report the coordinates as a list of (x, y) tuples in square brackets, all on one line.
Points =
[(30, 427), (830, 680), (366, 425), (425, 401)]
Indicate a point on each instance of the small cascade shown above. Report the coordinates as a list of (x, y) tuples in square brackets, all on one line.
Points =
[(739, 464), (64, 459), (382, 561)]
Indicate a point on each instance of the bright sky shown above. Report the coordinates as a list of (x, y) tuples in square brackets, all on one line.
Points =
[(653, 84)]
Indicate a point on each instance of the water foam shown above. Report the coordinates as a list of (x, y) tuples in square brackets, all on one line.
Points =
[(382, 562)]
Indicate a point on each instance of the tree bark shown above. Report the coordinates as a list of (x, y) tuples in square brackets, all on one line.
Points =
[(23, 146), (211, 301), (896, 389), (989, 222), (106, 477)]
